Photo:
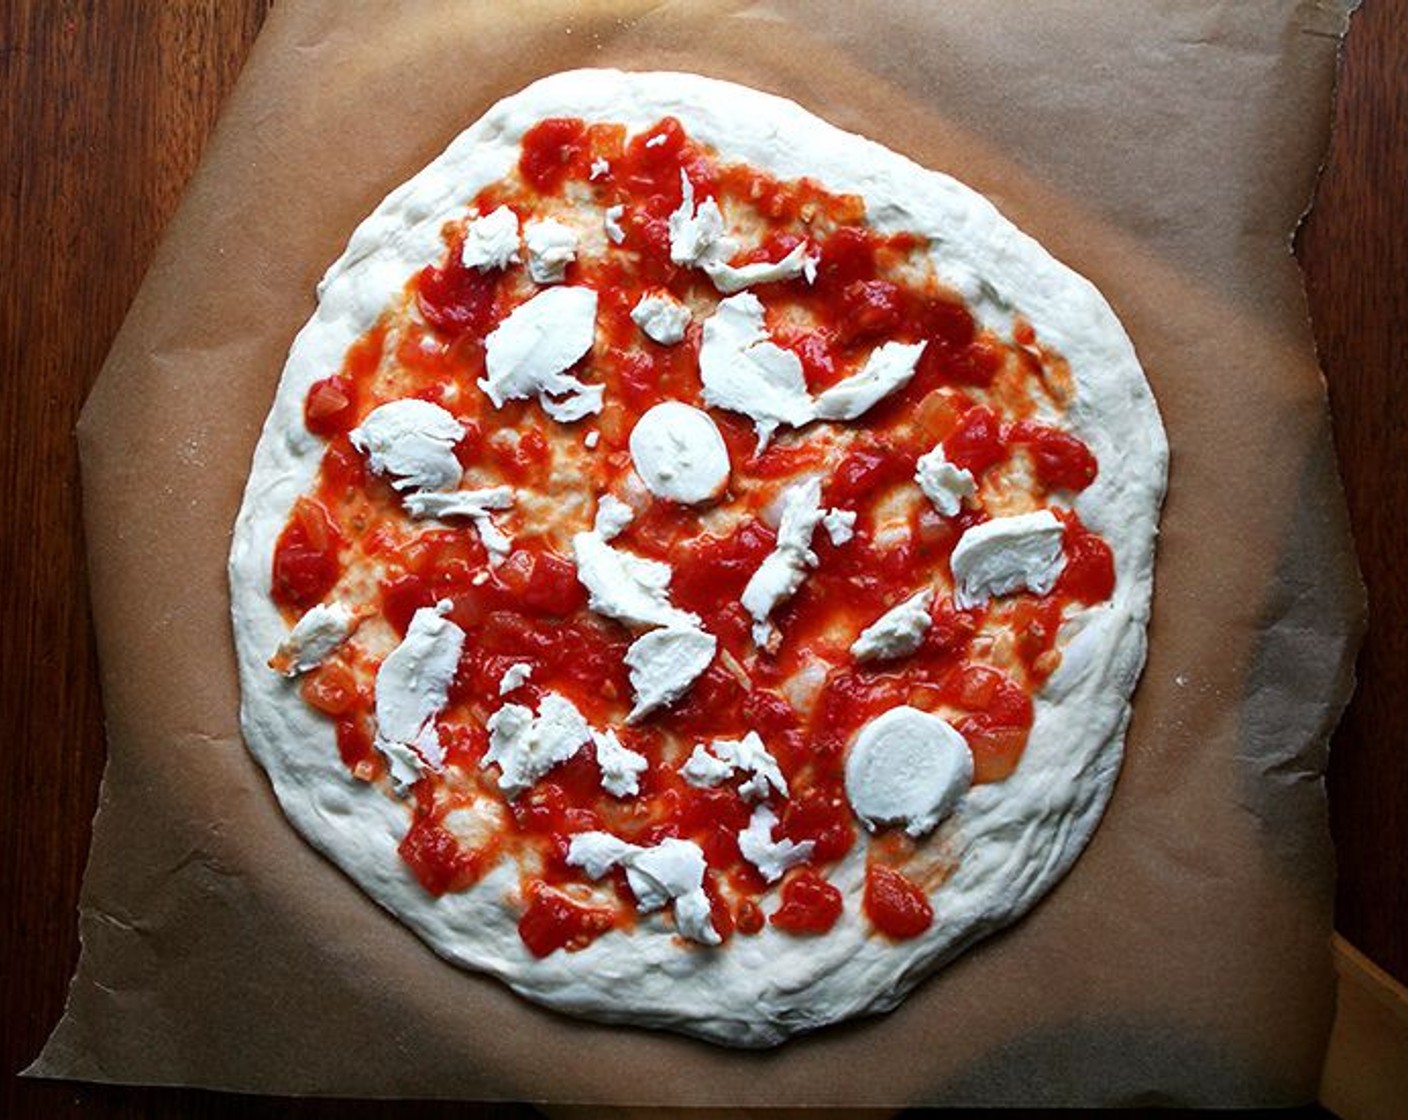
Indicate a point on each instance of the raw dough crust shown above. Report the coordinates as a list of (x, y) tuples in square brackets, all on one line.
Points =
[(1016, 838)]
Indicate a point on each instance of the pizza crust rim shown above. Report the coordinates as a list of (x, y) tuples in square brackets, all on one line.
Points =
[(758, 990)]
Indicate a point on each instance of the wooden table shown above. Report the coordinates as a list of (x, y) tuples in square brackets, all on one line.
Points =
[(105, 110)]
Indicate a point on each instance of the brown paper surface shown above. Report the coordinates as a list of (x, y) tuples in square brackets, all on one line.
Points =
[(1166, 150)]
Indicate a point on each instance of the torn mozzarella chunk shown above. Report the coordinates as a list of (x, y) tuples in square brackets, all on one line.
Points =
[(889, 367), (474, 504), (412, 687), (679, 454), (840, 525), (697, 233), (729, 278), (491, 241), (529, 353), (663, 664), (771, 857), (907, 767), (612, 515), (611, 223), (314, 638), (552, 246), (413, 442), (661, 317), (896, 633), (599, 169), (670, 872), (515, 676), (710, 767), (942, 483), (526, 747), (743, 371), (1005, 555), (630, 589), (783, 569), (620, 766)]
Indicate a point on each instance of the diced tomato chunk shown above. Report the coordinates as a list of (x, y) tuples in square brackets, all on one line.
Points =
[(553, 921), (306, 564), (331, 406), (550, 148), (894, 905), (809, 904), (976, 444)]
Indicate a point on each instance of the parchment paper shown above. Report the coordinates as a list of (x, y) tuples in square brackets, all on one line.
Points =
[(1166, 150)]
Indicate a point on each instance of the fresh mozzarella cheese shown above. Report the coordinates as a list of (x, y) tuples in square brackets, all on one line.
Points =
[(743, 371), (942, 483), (670, 872), (907, 767), (491, 241), (620, 766), (840, 525), (723, 758), (413, 442), (599, 170), (729, 278), (612, 515), (630, 589), (412, 687), (515, 676), (771, 857), (783, 569), (1005, 555), (525, 747), (697, 233), (314, 638), (529, 353), (679, 454), (661, 317), (663, 664), (896, 633), (889, 367), (552, 246), (611, 223), (474, 504)]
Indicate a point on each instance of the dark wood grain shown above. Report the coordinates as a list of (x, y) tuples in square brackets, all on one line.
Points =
[(1354, 250), (105, 110)]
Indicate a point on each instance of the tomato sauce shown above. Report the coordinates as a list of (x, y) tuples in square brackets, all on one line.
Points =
[(530, 608)]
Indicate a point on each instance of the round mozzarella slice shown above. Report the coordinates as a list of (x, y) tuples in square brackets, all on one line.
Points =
[(679, 454), (907, 767)]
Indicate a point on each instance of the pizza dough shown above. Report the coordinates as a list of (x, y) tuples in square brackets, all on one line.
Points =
[(1002, 845)]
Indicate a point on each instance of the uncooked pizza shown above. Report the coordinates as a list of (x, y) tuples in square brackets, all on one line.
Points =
[(697, 563)]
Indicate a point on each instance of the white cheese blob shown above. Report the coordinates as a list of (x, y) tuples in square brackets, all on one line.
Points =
[(630, 589), (529, 353), (591, 439), (783, 569), (889, 367), (474, 504), (729, 279), (620, 766), (1005, 555), (412, 686), (515, 676), (726, 757), (670, 872), (771, 857), (896, 633), (491, 241), (552, 246), (697, 234), (413, 442), (661, 317), (743, 371), (907, 767), (611, 223), (599, 169), (612, 515), (840, 525), (526, 747), (663, 664), (679, 454), (314, 638), (945, 485)]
